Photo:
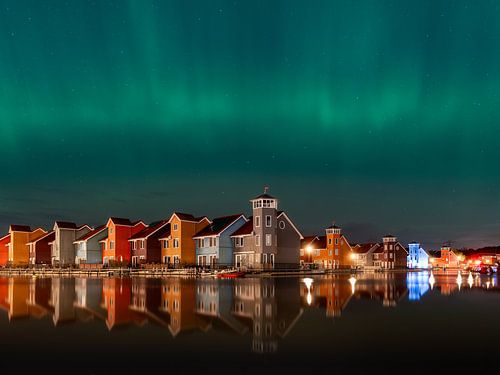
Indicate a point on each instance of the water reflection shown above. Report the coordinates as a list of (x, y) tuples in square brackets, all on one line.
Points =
[(265, 310)]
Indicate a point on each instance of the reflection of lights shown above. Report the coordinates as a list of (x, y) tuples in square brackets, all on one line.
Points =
[(432, 280), (459, 280), (308, 281), (353, 256), (352, 281), (492, 282), (470, 280), (478, 262), (488, 284), (309, 249)]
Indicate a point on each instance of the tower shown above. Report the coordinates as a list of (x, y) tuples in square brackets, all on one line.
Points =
[(389, 243), (414, 255), (265, 209), (333, 244)]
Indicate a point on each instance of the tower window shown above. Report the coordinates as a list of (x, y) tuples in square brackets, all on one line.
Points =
[(282, 224), (257, 221), (257, 240), (268, 240), (269, 221)]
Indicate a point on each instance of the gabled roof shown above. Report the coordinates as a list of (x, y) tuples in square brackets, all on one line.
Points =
[(188, 217), (334, 227), (20, 228), (264, 196), (5, 236), (91, 234), (244, 230), (218, 225), (49, 236), (282, 213), (123, 221), (316, 242), (364, 248), (158, 227), (66, 225)]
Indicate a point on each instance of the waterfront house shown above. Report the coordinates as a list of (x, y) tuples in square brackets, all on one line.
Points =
[(20, 236), (40, 249), (116, 248), (270, 240), (178, 247), (448, 258), (88, 247), (390, 254), (145, 246), (362, 254), (331, 251), (63, 247), (213, 243), (4, 250), (417, 257)]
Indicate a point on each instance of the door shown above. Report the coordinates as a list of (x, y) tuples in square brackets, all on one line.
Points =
[(238, 261), (271, 260)]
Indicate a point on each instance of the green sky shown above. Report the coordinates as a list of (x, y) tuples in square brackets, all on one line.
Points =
[(380, 115)]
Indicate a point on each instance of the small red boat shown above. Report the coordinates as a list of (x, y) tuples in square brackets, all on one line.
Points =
[(231, 275)]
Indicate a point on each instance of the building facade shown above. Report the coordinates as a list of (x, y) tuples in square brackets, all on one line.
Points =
[(417, 257), (115, 247), (63, 247), (40, 249), (447, 259), (4, 250), (145, 246), (88, 247), (270, 240), (214, 246), (178, 248), (20, 236)]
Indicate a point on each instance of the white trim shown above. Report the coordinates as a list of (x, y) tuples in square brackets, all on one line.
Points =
[(146, 237), (291, 223), (190, 221), (223, 230), (34, 241)]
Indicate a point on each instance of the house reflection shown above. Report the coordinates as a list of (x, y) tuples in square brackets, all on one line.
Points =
[(330, 293), (269, 307), (418, 285), (116, 300), (389, 288), (89, 297), (14, 294), (178, 300), (146, 300)]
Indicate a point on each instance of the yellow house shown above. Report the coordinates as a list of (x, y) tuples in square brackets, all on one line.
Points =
[(20, 236), (178, 248)]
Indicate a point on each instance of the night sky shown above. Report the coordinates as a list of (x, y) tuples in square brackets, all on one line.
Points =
[(380, 115)]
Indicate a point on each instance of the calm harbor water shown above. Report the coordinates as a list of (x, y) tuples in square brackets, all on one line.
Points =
[(398, 322)]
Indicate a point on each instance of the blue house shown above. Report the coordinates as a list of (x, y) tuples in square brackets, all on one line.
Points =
[(417, 257), (214, 245)]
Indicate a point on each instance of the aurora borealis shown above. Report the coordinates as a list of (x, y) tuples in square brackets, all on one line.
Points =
[(380, 115)]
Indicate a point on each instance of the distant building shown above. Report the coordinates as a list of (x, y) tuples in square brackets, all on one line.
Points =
[(331, 251), (178, 247), (88, 248), (213, 243), (447, 259), (4, 250), (20, 236), (40, 249), (145, 246), (269, 240), (116, 248), (389, 254), (417, 256), (63, 247)]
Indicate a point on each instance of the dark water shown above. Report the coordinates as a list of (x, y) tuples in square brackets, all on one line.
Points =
[(371, 323)]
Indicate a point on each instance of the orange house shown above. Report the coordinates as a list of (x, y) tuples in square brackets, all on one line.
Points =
[(20, 236), (116, 248), (447, 259), (4, 250), (178, 248), (331, 251)]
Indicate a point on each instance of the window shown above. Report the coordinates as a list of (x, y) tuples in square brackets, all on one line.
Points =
[(301, 252), (268, 240), (330, 252), (329, 241), (142, 244), (336, 251), (264, 258), (111, 245), (111, 230), (282, 224), (176, 242), (133, 245), (257, 240), (205, 242), (390, 255), (269, 221), (336, 241), (257, 221), (176, 226)]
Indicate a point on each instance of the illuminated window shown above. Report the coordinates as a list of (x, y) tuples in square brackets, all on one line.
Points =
[(269, 221)]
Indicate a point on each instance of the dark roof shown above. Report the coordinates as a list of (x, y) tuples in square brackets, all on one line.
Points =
[(264, 196), (363, 248), (188, 217), (66, 225), (247, 228), (120, 221), (388, 235), (49, 237), (20, 228), (317, 242), (158, 228), (333, 227), (218, 225), (92, 233)]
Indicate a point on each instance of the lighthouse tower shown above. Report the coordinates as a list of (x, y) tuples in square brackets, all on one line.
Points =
[(265, 210)]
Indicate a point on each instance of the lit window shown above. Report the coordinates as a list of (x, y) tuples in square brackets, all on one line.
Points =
[(257, 221), (257, 240), (268, 240), (268, 221)]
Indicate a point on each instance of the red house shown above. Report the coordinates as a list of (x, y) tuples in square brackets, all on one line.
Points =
[(145, 245), (4, 249), (40, 249), (116, 248)]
